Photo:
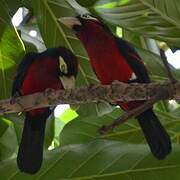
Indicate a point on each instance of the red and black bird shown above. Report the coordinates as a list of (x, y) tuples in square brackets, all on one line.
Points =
[(113, 58), (54, 68)]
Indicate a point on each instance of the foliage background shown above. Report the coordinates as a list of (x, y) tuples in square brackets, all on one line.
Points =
[(79, 151)]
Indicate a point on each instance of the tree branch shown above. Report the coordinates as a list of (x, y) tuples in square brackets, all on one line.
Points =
[(94, 93), (133, 113), (166, 64)]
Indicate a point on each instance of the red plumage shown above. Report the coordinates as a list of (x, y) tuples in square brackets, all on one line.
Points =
[(40, 75), (99, 49), (113, 59), (107, 64), (35, 73)]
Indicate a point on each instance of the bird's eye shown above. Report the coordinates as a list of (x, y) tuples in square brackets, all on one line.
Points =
[(62, 65), (85, 16)]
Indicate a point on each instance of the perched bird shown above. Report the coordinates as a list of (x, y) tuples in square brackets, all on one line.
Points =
[(113, 58), (55, 68)]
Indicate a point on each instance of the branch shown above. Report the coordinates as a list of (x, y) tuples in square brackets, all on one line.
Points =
[(166, 64), (91, 94), (133, 113), (148, 104)]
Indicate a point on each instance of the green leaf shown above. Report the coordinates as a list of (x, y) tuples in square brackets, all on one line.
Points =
[(4, 124), (68, 115), (8, 8), (86, 3), (134, 38), (11, 6), (18, 123), (26, 3), (50, 131), (85, 129), (4, 18), (155, 19), (104, 160), (11, 51), (16, 129), (155, 65), (8, 139)]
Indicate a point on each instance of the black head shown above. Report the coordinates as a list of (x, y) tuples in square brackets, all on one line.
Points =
[(68, 64), (83, 19)]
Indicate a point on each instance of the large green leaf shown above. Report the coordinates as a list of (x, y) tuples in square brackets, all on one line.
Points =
[(86, 3), (8, 8), (154, 64), (18, 122), (11, 51), (26, 3), (85, 129), (134, 38), (8, 139), (11, 6), (156, 19), (105, 160), (50, 131), (8, 129)]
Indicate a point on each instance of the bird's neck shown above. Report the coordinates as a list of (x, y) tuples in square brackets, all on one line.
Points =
[(96, 42)]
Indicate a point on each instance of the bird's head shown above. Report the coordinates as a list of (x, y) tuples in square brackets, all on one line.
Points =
[(84, 24), (67, 65), (68, 68), (79, 22), (86, 27)]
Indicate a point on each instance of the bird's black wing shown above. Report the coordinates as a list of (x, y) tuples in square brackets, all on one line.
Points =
[(134, 60), (21, 72), (156, 136)]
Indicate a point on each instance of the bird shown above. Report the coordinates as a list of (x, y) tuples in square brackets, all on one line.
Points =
[(55, 68), (113, 58)]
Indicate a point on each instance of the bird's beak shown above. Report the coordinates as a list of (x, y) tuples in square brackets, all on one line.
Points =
[(70, 22), (68, 82)]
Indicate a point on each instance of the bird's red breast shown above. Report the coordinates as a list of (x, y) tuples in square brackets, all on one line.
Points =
[(105, 57), (40, 76)]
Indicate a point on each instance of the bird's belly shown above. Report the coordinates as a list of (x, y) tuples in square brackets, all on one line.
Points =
[(111, 70)]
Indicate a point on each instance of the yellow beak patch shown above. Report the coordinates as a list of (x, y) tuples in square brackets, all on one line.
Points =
[(62, 65)]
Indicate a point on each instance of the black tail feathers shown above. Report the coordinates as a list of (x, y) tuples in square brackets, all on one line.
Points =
[(30, 152), (155, 134)]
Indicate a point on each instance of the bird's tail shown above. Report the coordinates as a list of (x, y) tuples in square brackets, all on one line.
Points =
[(155, 134), (30, 152)]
